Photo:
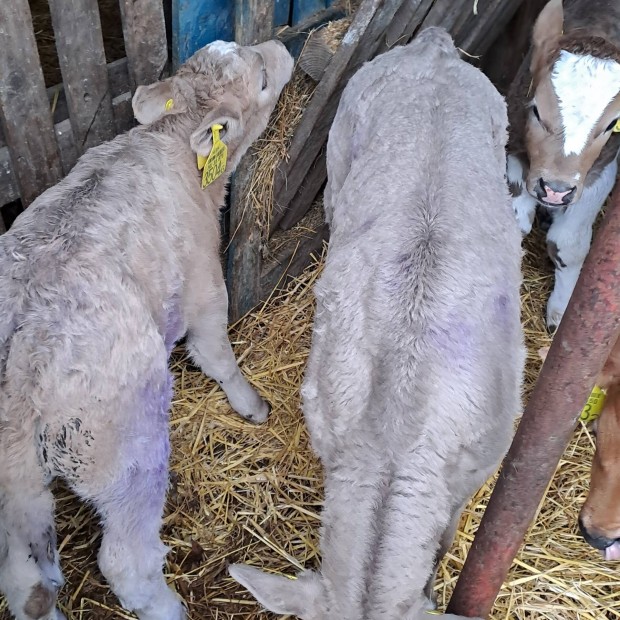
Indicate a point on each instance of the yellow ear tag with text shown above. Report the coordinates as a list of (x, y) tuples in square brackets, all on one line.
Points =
[(169, 105), (214, 165), (594, 406), (616, 128)]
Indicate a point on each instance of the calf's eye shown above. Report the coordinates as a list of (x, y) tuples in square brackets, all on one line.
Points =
[(264, 78), (611, 125)]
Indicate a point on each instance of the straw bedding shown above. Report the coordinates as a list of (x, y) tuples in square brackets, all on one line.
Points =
[(245, 493)]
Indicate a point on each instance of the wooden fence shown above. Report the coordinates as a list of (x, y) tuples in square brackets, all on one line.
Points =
[(45, 131)]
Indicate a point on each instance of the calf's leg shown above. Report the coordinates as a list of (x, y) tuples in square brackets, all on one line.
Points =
[(130, 500), (210, 347), (30, 574), (568, 241)]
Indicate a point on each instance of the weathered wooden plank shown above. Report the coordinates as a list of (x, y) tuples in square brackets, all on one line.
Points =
[(312, 131), (311, 186), (253, 21), (118, 79), (302, 9), (198, 22), (291, 261), (69, 152), (24, 108), (244, 255), (282, 12), (295, 38), (79, 43), (478, 34), (406, 20), (144, 31), (358, 45), (503, 59), (9, 190), (8, 185)]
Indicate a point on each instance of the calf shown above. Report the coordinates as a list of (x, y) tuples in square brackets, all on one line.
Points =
[(98, 279), (564, 112), (599, 520), (414, 375)]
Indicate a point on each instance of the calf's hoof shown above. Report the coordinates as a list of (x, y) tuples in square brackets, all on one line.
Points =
[(260, 414)]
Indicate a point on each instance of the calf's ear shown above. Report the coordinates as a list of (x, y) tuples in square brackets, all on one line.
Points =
[(228, 115), (301, 597), (547, 31), (152, 102)]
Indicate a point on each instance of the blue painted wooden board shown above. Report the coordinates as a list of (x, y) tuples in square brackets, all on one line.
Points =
[(302, 9), (198, 22), (281, 12)]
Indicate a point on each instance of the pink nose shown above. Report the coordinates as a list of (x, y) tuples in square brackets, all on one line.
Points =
[(554, 197), (554, 193)]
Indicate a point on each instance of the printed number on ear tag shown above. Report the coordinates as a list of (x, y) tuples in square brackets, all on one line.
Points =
[(616, 128), (594, 406), (214, 165)]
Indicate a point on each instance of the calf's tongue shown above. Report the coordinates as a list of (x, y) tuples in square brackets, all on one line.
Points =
[(612, 552)]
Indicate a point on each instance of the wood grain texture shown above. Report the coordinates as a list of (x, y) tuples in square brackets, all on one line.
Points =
[(308, 191), (291, 261), (358, 45), (144, 30), (9, 189), (24, 108), (244, 249), (253, 21), (79, 43)]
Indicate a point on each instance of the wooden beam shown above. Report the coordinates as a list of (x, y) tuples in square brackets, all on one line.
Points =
[(359, 44), (373, 30), (9, 189), (24, 109), (302, 201), (478, 34), (302, 9), (244, 248), (253, 21), (291, 261), (281, 12), (144, 31), (79, 43), (118, 79), (406, 21), (295, 37)]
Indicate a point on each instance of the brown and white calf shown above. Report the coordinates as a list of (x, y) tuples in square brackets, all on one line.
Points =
[(563, 109), (599, 520)]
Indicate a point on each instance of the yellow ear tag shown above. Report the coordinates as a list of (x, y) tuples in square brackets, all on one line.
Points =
[(214, 165), (616, 128), (594, 406), (433, 612), (169, 105)]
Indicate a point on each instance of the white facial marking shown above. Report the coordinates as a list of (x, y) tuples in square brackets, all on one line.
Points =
[(223, 47), (585, 86)]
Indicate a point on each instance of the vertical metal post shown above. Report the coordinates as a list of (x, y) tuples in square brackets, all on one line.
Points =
[(580, 347)]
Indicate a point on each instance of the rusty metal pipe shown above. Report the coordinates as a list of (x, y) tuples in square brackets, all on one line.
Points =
[(580, 347)]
